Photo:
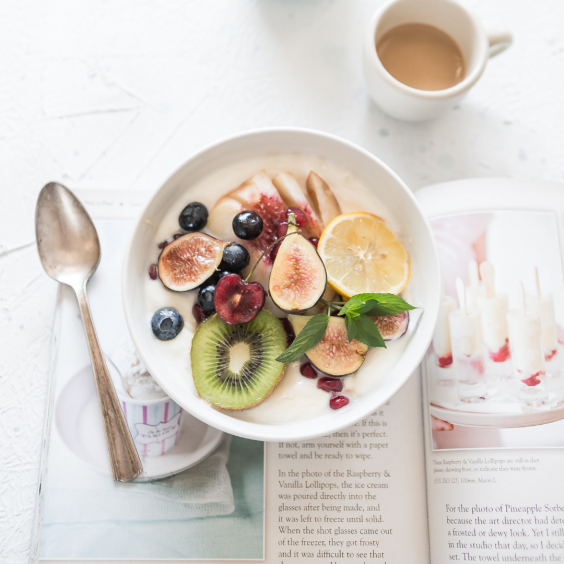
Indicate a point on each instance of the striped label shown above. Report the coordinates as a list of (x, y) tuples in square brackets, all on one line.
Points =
[(154, 428)]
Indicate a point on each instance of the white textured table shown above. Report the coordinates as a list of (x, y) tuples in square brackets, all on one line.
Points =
[(115, 95)]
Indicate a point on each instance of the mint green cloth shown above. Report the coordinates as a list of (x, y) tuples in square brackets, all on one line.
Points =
[(238, 535)]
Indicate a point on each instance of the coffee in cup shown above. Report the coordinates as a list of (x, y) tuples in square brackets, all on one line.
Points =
[(421, 56)]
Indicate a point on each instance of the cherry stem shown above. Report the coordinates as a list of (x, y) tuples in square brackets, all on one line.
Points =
[(331, 304), (266, 251)]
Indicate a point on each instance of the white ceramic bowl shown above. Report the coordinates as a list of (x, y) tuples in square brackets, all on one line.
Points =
[(425, 283)]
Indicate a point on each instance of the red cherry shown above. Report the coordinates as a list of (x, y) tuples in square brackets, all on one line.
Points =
[(307, 370), (274, 252), (162, 245), (177, 235), (301, 218), (314, 241), (198, 313), (338, 401), (282, 229), (153, 272), (237, 302), (290, 333), (330, 384)]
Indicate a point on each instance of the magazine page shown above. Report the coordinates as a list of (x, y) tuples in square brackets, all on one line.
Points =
[(356, 496), (493, 377)]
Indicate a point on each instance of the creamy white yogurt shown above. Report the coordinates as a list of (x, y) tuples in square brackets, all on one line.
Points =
[(296, 398)]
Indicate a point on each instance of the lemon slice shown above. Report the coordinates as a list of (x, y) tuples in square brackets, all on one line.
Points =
[(362, 255)]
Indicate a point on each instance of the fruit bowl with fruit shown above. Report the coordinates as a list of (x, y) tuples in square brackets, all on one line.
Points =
[(282, 285)]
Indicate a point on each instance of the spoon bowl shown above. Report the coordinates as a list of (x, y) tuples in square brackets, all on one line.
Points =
[(67, 241)]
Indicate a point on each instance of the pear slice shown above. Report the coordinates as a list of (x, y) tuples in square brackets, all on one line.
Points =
[(322, 198), (333, 355), (329, 295), (294, 197), (298, 277)]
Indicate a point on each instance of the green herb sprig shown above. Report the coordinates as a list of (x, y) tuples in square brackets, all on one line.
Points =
[(357, 312)]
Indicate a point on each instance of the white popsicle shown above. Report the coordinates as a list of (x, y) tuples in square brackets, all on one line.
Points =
[(494, 308)]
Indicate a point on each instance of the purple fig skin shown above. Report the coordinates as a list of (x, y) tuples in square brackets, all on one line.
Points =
[(326, 374), (392, 331)]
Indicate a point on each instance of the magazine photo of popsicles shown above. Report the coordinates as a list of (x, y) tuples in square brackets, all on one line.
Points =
[(496, 360)]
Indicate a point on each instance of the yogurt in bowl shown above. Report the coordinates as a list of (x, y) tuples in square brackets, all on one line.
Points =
[(360, 183)]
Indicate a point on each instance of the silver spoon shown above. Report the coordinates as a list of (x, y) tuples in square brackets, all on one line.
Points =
[(69, 250)]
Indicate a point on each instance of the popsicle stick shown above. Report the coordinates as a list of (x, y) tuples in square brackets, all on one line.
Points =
[(461, 291), (522, 296), (488, 275), (473, 273), (538, 282)]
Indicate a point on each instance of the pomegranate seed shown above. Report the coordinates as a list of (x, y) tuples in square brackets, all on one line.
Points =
[(198, 313), (290, 334), (301, 218), (314, 241), (282, 229), (153, 272), (330, 384), (163, 244), (308, 370), (338, 401), (176, 235)]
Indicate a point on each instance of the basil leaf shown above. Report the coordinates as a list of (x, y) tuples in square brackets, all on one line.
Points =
[(379, 308), (351, 327), (376, 304), (366, 331), (306, 339), (352, 305)]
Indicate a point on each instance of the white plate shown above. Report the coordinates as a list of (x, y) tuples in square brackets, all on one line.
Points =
[(425, 286), (79, 423), (497, 420)]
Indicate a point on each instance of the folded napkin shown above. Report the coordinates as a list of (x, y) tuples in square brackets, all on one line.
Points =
[(202, 491)]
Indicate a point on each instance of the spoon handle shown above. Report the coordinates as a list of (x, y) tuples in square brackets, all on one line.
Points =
[(124, 458)]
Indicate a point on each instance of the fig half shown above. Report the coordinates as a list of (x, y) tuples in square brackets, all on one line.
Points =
[(298, 277), (190, 260), (392, 327), (333, 355)]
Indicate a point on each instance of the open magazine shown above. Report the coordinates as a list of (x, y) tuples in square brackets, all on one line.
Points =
[(464, 464)]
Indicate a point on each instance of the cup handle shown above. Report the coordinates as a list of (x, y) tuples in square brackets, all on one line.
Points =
[(499, 41)]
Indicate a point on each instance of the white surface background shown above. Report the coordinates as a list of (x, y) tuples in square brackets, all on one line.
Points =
[(114, 95)]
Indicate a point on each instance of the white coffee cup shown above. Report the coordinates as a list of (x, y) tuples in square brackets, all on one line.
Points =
[(410, 104)]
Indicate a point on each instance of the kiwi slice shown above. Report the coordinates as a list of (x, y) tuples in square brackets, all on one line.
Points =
[(234, 366)]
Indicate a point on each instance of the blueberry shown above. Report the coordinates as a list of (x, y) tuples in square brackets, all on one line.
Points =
[(193, 217), (166, 324), (247, 225), (205, 298), (213, 279), (235, 258)]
